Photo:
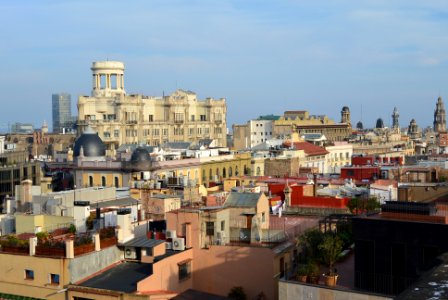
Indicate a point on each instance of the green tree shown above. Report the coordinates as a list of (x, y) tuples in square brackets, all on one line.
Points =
[(330, 248), (359, 205)]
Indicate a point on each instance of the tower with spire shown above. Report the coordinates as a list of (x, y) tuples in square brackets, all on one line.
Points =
[(395, 116), (440, 116)]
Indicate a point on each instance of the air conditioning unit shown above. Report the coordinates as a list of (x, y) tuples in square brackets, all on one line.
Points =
[(130, 253), (179, 244), (168, 245), (171, 234)]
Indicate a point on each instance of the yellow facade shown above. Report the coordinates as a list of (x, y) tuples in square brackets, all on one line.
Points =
[(13, 276), (219, 168), (103, 178), (29, 223)]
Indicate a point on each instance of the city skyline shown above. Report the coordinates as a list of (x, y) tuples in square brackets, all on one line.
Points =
[(262, 57)]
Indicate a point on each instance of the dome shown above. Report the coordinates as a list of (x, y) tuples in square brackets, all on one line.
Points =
[(359, 125), (140, 154), (91, 144), (345, 109), (379, 123)]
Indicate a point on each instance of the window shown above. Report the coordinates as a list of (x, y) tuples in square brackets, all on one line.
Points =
[(116, 133), (116, 182), (103, 180), (184, 270), (192, 117), (151, 118), (203, 118), (223, 225), (90, 180), (29, 274), (210, 228), (106, 134), (54, 279), (263, 217)]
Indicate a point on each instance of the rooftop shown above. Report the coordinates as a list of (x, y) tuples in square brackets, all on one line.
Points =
[(120, 202), (143, 242), (242, 200), (122, 278)]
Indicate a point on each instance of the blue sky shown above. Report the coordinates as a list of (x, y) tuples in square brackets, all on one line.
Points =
[(263, 56)]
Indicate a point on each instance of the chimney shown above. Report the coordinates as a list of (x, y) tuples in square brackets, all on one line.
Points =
[(124, 220), (69, 249), (33, 244)]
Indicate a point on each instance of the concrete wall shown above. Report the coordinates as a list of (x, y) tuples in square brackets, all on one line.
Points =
[(294, 290), (85, 265), (281, 167)]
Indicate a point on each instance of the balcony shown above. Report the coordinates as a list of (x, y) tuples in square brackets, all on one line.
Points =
[(131, 122)]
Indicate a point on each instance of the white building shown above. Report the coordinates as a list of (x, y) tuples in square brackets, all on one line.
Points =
[(339, 155)]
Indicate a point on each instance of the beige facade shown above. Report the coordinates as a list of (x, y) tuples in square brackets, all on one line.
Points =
[(120, 118), (339, 155), (157, 206)]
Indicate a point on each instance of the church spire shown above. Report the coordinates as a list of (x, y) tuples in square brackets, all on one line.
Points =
[(440, 116)]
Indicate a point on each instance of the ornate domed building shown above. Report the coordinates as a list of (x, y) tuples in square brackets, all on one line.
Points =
[(140, 160), (89, 146)]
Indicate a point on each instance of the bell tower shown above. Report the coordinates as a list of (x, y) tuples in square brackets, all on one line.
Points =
[(440, 116)]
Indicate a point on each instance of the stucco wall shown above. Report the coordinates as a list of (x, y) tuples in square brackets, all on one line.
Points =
[(294, 290), (219, 268), (83, 266), (12, 275), (165, 275)]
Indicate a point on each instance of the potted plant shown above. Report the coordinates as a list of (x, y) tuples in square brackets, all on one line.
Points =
[(330, 248), (302, 273), (313, 272)]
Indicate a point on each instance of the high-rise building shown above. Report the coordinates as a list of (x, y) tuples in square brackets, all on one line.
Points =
[(128, 119), (440, 116), (62, 114)]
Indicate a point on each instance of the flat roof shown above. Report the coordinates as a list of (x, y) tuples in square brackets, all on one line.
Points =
[(142, 242), (125, 201), (122, 278)]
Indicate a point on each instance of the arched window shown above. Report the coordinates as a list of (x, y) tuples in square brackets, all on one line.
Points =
[(116, 181), (103, 181), (90, 180), (224, 172), (217, 172), (204, 178), (210, 174), (236, 171), (230, 172), (258, 171)]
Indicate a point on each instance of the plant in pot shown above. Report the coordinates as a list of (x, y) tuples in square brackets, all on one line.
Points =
[(330, 248), (313, 272), (302, 273)]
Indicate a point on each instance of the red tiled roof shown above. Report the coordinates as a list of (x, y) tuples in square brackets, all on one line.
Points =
[(310, 149)]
